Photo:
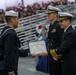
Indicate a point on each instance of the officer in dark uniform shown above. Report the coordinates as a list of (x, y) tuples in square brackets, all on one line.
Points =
[(54, 38), (10, 44), (67, 50)]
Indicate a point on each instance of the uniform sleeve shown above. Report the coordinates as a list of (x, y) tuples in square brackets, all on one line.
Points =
[(60, 32), (67, 43), (10, 54)]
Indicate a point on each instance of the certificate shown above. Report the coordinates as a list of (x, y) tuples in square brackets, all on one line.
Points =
[(37, 47)]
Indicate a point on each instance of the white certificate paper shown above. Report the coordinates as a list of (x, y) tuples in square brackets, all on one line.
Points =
[(37, 47)]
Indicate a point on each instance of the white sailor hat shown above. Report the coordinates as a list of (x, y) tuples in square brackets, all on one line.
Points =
[(64, 15), (11, 13), (52, 9)]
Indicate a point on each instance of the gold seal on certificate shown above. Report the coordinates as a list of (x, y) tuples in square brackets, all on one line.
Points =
[(37, 47)]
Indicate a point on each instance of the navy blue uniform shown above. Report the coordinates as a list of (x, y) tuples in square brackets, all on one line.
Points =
[(54, 38), (11, 44), (68, 51)]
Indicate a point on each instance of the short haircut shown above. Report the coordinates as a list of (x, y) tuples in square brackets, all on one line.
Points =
[(8, 18), (70, 18)]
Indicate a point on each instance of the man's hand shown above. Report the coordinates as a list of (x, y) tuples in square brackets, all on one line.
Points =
[(33, 55), (12, 74), (56, 57), (43, 54)]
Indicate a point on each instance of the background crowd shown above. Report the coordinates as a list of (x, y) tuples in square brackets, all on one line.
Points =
[(30, 9)]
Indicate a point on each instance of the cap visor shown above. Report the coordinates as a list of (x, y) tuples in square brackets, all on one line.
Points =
[(47, 12), (63, 18)]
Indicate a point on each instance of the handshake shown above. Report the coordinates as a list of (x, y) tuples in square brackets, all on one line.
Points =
[(55, 55)]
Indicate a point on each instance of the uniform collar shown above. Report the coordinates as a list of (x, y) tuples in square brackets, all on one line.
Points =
[(66, 28), (53, 22)]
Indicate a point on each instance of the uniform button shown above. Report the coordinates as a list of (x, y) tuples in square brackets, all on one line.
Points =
[(51, 44), (51, 39), (61, 60)]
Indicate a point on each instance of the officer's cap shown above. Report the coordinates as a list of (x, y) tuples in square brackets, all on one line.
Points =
[(52, 9), (11, 13), (64, 15)]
